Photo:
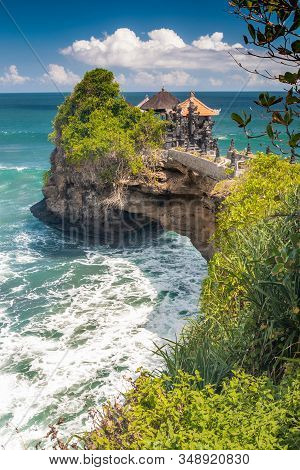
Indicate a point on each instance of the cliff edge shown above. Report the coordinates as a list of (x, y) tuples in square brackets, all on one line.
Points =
[(173, 197)]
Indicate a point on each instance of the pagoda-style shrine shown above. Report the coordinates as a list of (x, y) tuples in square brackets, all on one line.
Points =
[(190, 122), (199, 108)]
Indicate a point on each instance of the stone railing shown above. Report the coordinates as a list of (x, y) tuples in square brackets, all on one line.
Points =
[(213, 169)]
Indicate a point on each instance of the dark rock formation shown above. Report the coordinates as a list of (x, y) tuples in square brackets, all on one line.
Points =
[(175, 198)]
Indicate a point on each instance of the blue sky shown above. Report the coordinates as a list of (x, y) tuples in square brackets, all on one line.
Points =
[(181, 45)]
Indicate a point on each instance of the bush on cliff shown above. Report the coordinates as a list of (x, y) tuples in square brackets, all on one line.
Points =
[(247, 413), (253, 280), (96, 122), (251, 308), (250, 299), (260, 192)]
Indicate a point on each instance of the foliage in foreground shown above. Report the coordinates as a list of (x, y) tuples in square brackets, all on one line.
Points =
[(260, 192), (247, 413), (251, 306), (257, 239), (250, 314), (96, 122)]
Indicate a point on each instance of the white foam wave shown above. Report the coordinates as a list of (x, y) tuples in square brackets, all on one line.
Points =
[(6, 270), (95, 319), (17, 168), (22, 132)]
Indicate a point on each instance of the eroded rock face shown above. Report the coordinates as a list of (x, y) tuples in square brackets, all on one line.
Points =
[(177, 199)]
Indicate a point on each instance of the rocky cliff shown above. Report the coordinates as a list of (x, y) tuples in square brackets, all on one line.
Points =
[(78, 201)]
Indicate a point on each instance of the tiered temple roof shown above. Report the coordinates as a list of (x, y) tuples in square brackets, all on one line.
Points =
[(162, 101), (199, 108)]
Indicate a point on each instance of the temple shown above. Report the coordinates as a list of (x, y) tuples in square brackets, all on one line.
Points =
[(190, 122), (162, 103)]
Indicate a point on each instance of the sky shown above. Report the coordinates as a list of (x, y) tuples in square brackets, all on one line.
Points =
[(48, 46)]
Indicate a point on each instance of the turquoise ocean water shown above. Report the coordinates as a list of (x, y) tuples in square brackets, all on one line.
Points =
[(76, 321)]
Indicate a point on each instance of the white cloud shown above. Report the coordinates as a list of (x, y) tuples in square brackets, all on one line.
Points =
[(178, 77), (165, 37), (215, 81), (173, 78), (60, 75), (246, 81), (215, 43), (13, 77), (121, 78), (164, 49)]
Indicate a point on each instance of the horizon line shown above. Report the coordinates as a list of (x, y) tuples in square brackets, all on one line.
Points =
[(145, 91)]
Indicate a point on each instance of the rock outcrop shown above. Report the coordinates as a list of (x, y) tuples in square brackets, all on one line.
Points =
[(176, 198)]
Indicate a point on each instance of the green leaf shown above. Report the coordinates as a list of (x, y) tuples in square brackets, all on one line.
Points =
[(278, 268), (296, 46), (264, 99), (296, 23), (237, 118), (283, 14), (288, 117), (270, 131), (294, 140), (247, 120), (261, 37), (277, 118), (269, 33), (290, 99), (276, 100), (289, 77), (280, 30), (252, 31)]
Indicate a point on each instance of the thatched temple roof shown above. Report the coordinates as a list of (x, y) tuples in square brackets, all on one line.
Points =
[(199, 108), (163, 100)]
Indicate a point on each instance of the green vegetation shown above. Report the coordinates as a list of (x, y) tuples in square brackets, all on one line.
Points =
[(250, 299), (95, 122), (260, 192), (46, 175), (247, 413)]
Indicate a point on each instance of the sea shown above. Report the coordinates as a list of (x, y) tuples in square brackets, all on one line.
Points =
[(77, 321)]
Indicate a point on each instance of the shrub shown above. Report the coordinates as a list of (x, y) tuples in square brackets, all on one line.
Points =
[(97, 137), (248, 413), (254, 289), (96, 89), (46, 175), (250, 300), (259, 192), (253, 279), (203, 347), (96, 122)]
